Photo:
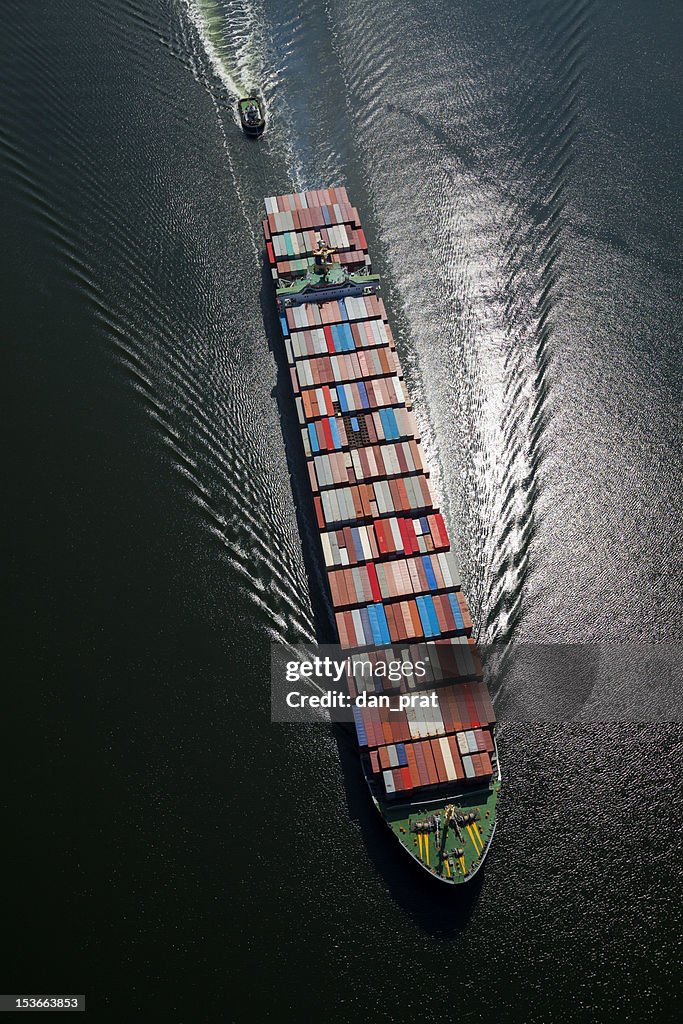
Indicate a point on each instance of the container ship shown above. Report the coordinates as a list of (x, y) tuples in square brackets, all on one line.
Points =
[(394, 585)]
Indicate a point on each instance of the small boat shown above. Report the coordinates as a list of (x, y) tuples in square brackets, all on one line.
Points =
[(252, 117)]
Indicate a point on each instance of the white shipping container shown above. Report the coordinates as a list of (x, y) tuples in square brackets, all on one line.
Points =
[(346, 504), (330, 506), (365, 543), (320, 471), (391, 463), (319, 340), (383, 497), (389, 781), (445, 568), (413, 724), (410, 490), (396, 534), (454, 568), (327, 549), (447, 759), (382, 580), (304, 374)]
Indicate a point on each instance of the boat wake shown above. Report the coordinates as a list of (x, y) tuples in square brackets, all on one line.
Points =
[(200, 399), (229, 34)]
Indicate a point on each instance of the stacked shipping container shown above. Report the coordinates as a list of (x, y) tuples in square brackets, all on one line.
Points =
[(393, 579), (294, 221), (390, 670)]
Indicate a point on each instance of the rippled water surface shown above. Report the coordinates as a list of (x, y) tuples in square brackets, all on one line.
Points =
[(517, 168)]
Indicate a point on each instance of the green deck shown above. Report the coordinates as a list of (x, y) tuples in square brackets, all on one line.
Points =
[(337, 276), (472, 838)]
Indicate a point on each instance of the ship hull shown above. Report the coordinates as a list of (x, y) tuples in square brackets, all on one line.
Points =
[(452, 870), (425, 735)]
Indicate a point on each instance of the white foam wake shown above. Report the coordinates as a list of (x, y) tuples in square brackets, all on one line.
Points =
[(228, 32)]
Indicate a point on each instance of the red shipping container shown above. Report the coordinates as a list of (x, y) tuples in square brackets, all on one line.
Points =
[(327, 433), (429, 761), (396, 497), (444, 614), (319, 513), (438, 528), (415, 618), (346, 595), (438, 761), (393, 622), (407, 535), (341, 630), (407, 620), (465, 611), (420, 765), (380, 534), (374, 583), (366, 499), (412, 765)]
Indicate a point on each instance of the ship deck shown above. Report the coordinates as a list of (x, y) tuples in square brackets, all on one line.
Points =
[(472, 838)]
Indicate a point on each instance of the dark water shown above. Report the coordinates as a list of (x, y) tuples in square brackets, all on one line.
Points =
[(517, 165)]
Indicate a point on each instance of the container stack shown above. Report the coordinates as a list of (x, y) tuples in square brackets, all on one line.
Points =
[(394, 581), (452, 742), (295, 222), (390, 669)]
